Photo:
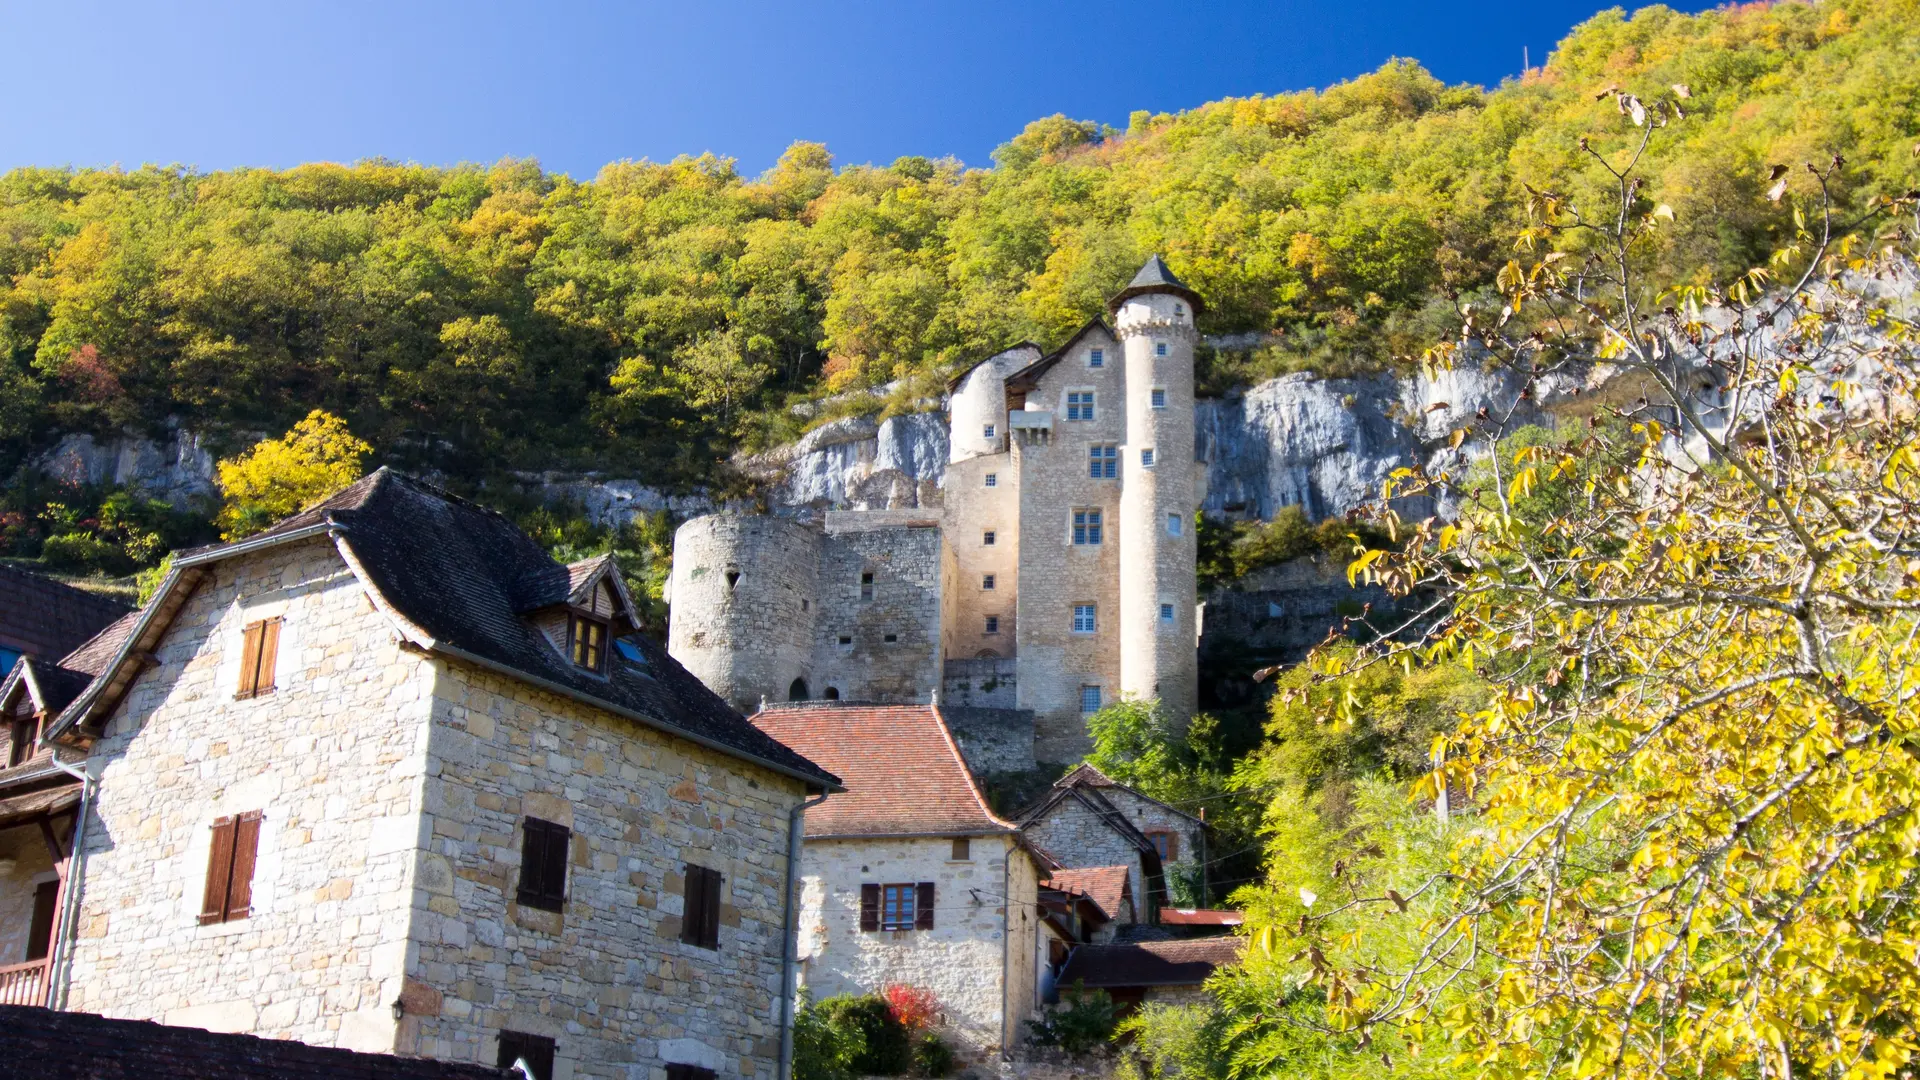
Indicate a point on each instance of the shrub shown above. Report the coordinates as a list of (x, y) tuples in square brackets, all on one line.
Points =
[(1087, 1021), (932, 1057), (914, 1006), (887, 1049), (823, 1049), (81, 552)]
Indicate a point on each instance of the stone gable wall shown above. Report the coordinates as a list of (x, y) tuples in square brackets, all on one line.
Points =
[(607, 978), (1080, 838), (964, 959), (334, 758), (1148, 815)]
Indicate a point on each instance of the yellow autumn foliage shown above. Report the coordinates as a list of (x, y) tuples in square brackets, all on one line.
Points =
[(281, 476)]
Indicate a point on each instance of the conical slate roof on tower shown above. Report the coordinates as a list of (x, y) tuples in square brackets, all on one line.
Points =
[(1155, 277)]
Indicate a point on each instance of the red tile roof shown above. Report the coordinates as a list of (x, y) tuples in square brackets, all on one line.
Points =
[(1201, 917), (1107, 886), (903, 774), (1151, 963)]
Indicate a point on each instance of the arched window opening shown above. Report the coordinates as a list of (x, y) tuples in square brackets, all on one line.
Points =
[(986, 654), (798, 691), (832, 694)]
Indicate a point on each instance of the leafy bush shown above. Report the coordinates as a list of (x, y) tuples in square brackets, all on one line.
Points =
[(1086, 1021), (886, 1047), (822, 1048), (932, 1057), (79, 552), (915, 1007)]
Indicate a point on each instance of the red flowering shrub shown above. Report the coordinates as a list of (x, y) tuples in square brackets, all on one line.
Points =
[(914, 1007)]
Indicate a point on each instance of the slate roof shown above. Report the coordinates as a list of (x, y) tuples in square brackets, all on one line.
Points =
[(82, 1046), (456, 576), (1085, 775), (44, 617), (1107, 886), (56, 683), (1156, 277), (1029, 377), (1151, 963), (903, 774)]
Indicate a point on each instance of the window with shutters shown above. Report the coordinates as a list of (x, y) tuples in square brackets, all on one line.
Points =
[(543, 864), (905, 906), (1166, 842), (24, 731), (689, 1072), (259, 652), (700, 918), (534, 1052), (587, 642), (229, 892)]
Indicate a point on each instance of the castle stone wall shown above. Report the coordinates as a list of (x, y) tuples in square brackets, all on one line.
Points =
[(884, 646), (745, 605), (991, 740), (972, 510)]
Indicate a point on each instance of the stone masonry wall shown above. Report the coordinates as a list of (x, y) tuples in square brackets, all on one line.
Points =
[(24, 847), (334, 757), (1056, 574), (1148, 816), (972, 510), (745, 602), (904, 605), (607, 978), (963, 959), (1080, 838)]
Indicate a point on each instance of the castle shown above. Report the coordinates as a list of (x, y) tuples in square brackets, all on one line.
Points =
[(1057, 575)]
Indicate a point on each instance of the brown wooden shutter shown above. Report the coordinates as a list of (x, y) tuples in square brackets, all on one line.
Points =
[(710, 931), (869, 907), (693, 903), (213, 904), (246, 844), (40, 930), (923, 907), (250, 660), (269, 655)]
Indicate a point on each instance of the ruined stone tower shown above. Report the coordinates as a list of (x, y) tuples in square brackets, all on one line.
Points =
[(1057, 576)]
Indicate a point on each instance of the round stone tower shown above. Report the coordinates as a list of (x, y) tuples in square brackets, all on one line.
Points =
[(1153, 317), (744, 606)]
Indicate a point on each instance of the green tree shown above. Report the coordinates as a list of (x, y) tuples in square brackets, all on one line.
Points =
[(281, 476)]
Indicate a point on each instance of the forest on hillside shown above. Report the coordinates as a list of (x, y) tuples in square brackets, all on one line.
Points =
[(650, 321)]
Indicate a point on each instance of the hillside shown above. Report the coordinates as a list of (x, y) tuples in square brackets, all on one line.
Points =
[(648, 322)]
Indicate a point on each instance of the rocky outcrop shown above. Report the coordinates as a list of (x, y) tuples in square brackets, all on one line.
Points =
[(857, 463), (179, 470)]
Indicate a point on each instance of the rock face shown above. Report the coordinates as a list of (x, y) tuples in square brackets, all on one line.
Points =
[(179, 471), (858, 464)]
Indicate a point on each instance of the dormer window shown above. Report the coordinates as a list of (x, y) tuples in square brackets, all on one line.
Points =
[(587, 642)]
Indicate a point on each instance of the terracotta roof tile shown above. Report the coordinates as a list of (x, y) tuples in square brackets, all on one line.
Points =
[(1151, 963), (1107, 886), (1201, 917), (82, 1046), (902, 772)]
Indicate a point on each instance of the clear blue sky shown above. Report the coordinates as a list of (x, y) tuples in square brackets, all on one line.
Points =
[(578, 83)]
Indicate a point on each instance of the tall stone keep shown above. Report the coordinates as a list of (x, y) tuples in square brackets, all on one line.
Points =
[(1154, 320)]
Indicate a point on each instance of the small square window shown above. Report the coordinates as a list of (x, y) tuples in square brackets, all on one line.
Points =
[(1159, 348), (1179, 309), (890, 638), (1086, 527), (988, 431), (1103, 462), (1146, 457), (846, 639), (1089, 699), (1166, 614), (986, 582), (1158, 396), (962, 849), (993, 479), (1080, 405), (986, 538), (1083, 618), (993, 624), (1097, 358), (1173, 525)]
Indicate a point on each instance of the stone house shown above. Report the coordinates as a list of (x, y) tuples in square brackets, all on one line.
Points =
[(45, 628), (386, 777), (1057, 575), (1108, 888), (908, 877), (1088, 819)]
